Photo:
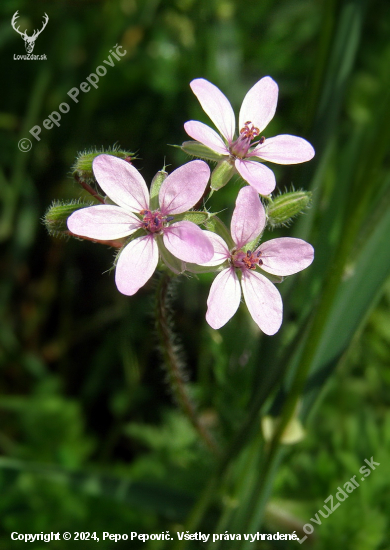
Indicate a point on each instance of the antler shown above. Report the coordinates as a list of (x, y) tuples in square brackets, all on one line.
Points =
[(45, 20), (13, 22)]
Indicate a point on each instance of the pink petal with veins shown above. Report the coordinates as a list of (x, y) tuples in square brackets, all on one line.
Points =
[(184, 187), (257, 175), (259, 104), (248, 219), (206, 135), (221, 250), (224, 298), (121, 182), (188, 242), (216, 105), (263, 301), (103, 222), (284, 149), (136, 264), (286, 255)]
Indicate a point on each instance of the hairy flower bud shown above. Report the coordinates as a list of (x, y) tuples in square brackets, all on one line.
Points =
[(283, 208), (57, 215), (82, 168)]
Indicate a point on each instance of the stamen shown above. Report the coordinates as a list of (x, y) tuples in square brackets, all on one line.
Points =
[(249, 133), (245, 260)]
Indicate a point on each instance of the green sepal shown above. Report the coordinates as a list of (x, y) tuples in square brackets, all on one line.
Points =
[(283, 208), (252, 245), (195, 268), (273, 278), (193, 216), (170, 261), (157, 181), (57, 215), (196, 149), (217, 226), (82, 168), (222, 174)]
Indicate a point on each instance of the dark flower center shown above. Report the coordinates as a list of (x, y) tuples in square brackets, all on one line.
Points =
[(154, 221), (248, 259)]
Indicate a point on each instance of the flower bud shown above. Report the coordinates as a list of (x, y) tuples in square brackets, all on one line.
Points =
[(82, 168), (57, 214), (283, 208), (222, 173), (196, 149)]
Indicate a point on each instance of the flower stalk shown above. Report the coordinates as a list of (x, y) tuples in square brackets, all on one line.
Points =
[(173, 363)]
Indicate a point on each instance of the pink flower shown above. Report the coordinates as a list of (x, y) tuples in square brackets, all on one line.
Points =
[(280, 257), (257, 110), (126, 187)]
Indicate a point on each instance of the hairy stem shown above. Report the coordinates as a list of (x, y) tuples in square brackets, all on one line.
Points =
[(173, 362), (88, 188)]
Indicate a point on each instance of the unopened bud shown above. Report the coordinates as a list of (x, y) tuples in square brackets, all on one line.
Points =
[(82, 168), (222, 173), (196, 149), (283, 208), (57, 215)]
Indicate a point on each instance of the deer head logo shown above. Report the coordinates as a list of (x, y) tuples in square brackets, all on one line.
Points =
[(29, 40)]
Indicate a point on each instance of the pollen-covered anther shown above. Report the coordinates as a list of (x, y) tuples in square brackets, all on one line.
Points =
[(249, 132)]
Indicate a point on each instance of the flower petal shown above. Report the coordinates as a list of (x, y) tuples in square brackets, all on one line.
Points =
[(188, 242), (286, 255), (224, 298), (103, 222), (259, 104), (263, 301), (221, 250), (136, 264), (256, 174), (285, 149), (216, 105), (184, 187), (248, 219), (206, 135), (121, 182)]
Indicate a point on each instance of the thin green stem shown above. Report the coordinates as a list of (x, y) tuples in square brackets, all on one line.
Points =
[(174, 364)]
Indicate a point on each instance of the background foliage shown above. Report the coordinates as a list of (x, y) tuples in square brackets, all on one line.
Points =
[(90, 437)]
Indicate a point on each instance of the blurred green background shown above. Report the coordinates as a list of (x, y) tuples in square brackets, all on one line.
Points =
[(90, 436)]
